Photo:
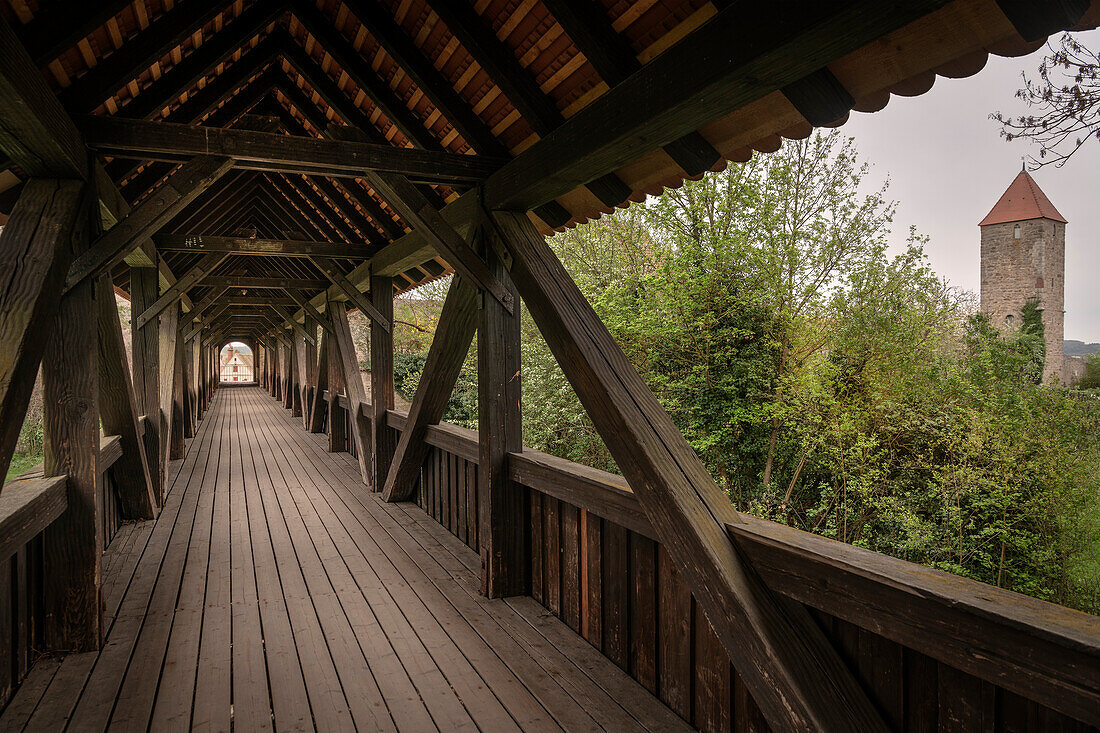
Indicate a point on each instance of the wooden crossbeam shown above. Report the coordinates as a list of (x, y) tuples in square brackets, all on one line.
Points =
[(426, 219), (358, 298), (277, 283), (281, 153), (188, 280), (311, 312), (118, 414), (34, 130), (709, 73), (789, 667), (288, 318), (34, 257), (181, 188), (453, 335)]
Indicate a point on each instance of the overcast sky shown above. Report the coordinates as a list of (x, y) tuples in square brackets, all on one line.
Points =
[(948, 166)]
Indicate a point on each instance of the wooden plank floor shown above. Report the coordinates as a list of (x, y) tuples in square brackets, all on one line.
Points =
[(275, 592)]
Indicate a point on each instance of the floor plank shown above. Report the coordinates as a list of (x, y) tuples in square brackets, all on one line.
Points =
[(276, 592)]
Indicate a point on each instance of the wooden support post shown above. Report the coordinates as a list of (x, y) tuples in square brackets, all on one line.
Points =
[(197, 381), (317, 407), (337, 430), (177, 445), (298, 353), (35, 253), (133, 479), (353, 384), (504, 516), (381, 381), (792, 671), (168, 332), (145, 347), (73, 543), (307, 358), (453, 335), (290, 388)]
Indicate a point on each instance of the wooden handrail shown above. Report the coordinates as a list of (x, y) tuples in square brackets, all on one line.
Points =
[(29, 504), (110, 450), (1037, 649)]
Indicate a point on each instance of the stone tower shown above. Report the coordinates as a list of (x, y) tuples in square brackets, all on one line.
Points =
[(1024, 257)]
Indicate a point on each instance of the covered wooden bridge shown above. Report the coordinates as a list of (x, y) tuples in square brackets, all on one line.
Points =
[(298, 554)]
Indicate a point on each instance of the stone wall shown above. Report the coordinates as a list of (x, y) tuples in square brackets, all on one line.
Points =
[(1016, 270)]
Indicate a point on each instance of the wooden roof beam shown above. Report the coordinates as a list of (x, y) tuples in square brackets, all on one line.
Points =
[(518, 85), (365, 77), (265, 283), (138, 53), (259, 246), (720, 67), (588, 26), (282, 153), (287, 188), (147, 217), (380, 23), (51, 33), (200, 62)]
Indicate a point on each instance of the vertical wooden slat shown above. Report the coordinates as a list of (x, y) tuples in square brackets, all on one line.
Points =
[(616, 595), (117, 411), (144, 346), (570, 566), (538, 548), (674, 636), (594, 571), (552, 534), (712, 678), (643, 611), (921, 693)]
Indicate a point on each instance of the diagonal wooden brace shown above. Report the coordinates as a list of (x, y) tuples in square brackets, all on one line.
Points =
[(794, 674)]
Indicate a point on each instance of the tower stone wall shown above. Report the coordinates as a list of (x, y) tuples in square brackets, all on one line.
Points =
[(1016, 269)]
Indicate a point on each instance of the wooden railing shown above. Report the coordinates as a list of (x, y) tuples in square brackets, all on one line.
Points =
[(29, 504), (931, 649)]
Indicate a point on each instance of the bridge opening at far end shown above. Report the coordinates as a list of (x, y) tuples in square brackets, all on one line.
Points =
[(235, 360)]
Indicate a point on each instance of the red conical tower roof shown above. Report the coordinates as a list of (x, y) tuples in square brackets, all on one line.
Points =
[(1023, 200)]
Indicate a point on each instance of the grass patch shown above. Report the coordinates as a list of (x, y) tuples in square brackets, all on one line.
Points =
[(22, 462)]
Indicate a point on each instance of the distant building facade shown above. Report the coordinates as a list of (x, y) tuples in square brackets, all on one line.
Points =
[(236, 366), (1024, 257)]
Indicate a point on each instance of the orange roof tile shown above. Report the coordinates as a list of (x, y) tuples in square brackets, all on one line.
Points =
[(1023, 200)]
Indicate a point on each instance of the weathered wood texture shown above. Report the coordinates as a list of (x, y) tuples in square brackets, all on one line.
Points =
[(504, 537), (779, 651), (347, 362), (919, 640), (453, 335), (73, 543), (276, 152), (34, 257), (136, 494), (178, 190), (145, 350), (383, 440), (344, 612)]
